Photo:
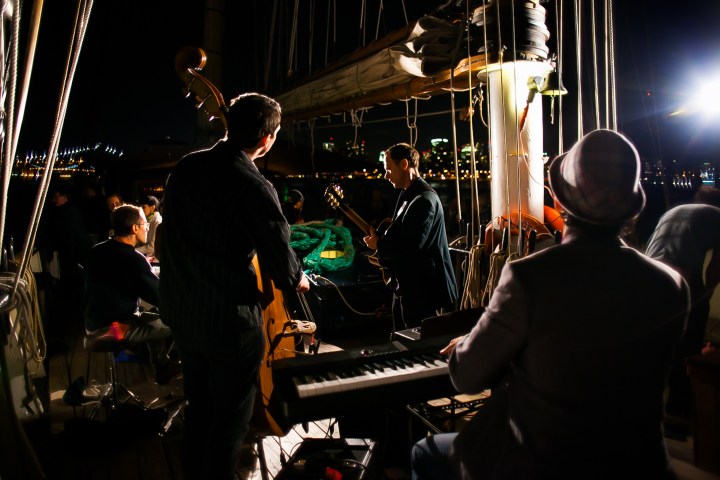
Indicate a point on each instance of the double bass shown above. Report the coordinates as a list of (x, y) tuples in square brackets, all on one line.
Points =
[(280, 330)]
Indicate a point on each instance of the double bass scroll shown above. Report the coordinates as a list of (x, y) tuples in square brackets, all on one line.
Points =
[(189, 61)]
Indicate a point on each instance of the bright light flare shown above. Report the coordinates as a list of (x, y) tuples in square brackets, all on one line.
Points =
[(704, 101)]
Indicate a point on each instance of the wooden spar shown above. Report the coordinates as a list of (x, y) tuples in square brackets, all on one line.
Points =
[(373, 47), (416, 87)]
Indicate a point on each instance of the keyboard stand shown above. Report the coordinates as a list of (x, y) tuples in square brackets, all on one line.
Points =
[(441, 415)]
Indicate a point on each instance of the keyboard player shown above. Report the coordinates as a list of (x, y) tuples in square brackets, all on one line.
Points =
[(368, 388), (576, 343)]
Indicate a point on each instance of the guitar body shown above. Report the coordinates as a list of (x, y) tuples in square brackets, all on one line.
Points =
[(373, 257)]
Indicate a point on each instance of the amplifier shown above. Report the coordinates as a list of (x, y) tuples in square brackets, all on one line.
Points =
[(346, 458)]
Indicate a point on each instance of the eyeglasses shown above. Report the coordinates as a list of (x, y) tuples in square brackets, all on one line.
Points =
[(146, 226)]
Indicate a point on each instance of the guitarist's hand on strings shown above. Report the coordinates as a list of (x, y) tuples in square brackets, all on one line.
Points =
[(304, 283), (372, 239)]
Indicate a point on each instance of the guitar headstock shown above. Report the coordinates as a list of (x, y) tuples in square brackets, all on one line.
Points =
[(334, 195)]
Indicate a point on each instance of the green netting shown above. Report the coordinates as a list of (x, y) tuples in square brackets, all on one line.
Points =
[(310, 239)]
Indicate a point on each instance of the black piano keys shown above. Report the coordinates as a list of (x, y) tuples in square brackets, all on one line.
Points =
[(333, 384)]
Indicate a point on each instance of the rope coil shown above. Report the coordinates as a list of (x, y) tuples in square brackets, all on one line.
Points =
[(310, 240)]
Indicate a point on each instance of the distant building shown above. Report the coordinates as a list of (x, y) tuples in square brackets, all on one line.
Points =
[(707, 174), (329, 145)]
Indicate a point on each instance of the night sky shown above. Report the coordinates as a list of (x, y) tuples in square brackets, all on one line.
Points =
[(126, 91)]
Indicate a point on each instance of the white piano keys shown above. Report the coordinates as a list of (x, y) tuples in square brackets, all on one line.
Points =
[(372, 373)]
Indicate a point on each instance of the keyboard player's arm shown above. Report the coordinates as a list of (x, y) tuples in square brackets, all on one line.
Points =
[(480, 359)]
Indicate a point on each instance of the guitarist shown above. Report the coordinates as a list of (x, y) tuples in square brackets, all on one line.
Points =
[(414, 246)]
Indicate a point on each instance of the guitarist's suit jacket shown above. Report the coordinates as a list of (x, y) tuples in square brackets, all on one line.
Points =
[(415, 249)]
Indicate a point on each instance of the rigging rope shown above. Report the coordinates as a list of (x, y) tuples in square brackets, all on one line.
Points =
[(491, 159), (311, 35), (593, 35), (472, 292), (578, 50), (377, 26), (26, 329), (363, 20), (26, 339), (380, 120), (270, 44), (412, 125), (497, 262), (559, 33), (474, 188), (30, 58), (311, 124), (606, 51), (519, 150), (293, 38), (327, 33), (356, 122), (82, 16), (455, 148), (611, 63), (8, 109)]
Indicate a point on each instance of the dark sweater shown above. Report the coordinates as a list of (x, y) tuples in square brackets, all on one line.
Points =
[(218, 212), (116, 277)]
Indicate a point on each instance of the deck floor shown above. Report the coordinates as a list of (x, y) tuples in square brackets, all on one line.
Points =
[(130, 445)]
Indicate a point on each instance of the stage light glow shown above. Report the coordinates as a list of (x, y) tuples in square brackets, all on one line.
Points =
[(703, 101)]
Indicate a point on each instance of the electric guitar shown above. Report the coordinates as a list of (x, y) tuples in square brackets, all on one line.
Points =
[(334, 196)]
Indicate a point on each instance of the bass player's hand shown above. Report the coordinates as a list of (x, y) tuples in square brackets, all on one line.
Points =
[(304, 284)]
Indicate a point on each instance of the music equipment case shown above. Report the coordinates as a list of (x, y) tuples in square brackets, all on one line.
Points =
[(319, 458)]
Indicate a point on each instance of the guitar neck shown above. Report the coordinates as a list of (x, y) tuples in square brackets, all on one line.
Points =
[(357, 219)]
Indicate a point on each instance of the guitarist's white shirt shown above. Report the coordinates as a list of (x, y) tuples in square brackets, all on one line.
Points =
[(401, 209)]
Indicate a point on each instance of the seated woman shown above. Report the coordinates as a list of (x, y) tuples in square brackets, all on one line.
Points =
[(150, 207)]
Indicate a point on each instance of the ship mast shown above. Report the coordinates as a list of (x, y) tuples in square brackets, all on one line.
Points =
[(514, 38)]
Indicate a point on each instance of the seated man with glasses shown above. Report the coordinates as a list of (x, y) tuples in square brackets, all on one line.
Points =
[(116, 278)]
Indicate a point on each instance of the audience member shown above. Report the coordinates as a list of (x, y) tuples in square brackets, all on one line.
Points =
[(113, 201), (377, 210), (116, 278), (575, 343), (414, 247), (95, 214), (63, 231), (150, 207), (682, 239), (218, 213), (293, 206)]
